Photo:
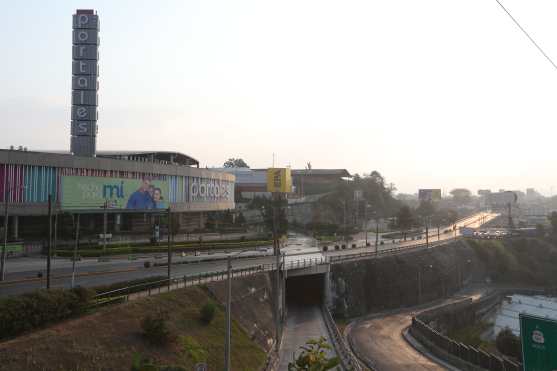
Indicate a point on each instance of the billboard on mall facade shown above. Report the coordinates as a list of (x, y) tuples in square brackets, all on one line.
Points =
[(84, 192)]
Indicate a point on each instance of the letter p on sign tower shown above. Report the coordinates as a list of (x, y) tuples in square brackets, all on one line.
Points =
[(85, 72)]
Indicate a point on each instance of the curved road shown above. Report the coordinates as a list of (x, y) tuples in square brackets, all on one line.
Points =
[(380, 341)]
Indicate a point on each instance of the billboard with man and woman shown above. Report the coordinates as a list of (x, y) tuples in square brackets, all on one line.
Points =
[(80, 192)]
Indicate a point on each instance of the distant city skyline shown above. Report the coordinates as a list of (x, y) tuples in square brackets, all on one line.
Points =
[(431, 95)]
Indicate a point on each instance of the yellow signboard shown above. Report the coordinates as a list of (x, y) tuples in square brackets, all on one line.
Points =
[(279, 180)]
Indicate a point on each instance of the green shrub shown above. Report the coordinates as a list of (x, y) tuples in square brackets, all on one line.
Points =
[(155, 329), (145, 364), (193, 350), (39, 308), (207, 312), (508, 344)]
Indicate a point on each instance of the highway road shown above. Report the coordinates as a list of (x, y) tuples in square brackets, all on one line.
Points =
[(22, 272), (379, 340)]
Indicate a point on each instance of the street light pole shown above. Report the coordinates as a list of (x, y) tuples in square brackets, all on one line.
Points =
[(169, 245), (49, 249), (227, 345), (5, 245)]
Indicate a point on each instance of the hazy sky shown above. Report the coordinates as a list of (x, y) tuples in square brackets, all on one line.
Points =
[(434, 93)]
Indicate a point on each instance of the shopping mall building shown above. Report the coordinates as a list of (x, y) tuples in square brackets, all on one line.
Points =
[(91, 185)]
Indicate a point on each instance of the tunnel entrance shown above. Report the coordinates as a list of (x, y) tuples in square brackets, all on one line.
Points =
[(305, 290)]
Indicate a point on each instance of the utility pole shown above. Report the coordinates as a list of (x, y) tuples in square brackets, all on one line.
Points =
[(169, 244), (344, 219), (426, 232), (49, 249), (419, 285), (55, 246), (227, 344), (5, 245), (75, 249), (376, 233), (365, 220)]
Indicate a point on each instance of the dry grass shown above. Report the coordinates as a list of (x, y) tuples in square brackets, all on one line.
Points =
[(109, 338)]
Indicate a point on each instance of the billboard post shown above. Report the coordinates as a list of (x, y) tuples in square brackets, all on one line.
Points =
[(279, 181)]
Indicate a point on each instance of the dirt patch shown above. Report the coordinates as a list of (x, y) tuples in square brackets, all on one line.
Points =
[(109, 338)]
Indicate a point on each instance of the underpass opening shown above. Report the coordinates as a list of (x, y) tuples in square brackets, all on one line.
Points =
[(305, 290)]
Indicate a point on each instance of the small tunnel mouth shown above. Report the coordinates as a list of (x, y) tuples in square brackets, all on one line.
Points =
[(305, 290)]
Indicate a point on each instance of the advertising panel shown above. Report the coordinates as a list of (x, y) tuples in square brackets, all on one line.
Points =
[(429, 195), (500, 199), (80, 192), (279, 180), (539, 342)]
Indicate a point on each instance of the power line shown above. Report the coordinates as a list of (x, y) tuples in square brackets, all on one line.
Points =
[(527, 35)]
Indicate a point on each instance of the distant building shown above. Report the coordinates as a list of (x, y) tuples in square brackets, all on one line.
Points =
[(251, 183), (317, 181)]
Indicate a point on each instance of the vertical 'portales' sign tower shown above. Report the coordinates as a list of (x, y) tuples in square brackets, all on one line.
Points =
[(85, 72)]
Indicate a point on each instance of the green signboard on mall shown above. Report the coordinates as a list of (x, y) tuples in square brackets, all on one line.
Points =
[(88, 192), (539, 343)]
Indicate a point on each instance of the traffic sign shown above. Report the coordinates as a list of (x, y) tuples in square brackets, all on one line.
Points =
[(539, 342)]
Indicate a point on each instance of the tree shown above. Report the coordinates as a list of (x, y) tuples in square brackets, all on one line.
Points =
[(313, 357), (235, 162), (461, 195), (553, 220), (241, 219), (508, 343), (540, 230), (404, 220)]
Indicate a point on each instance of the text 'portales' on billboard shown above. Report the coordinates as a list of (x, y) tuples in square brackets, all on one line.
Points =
[(95, 192), (211, 190)]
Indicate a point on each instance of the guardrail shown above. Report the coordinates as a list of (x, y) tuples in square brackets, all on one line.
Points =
[(394, 250), (347, 358), (165, 285)]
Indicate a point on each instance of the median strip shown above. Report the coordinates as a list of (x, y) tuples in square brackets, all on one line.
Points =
[(84, 274)]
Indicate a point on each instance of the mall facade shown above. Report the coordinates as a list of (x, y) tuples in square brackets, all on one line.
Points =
[(109, 183)]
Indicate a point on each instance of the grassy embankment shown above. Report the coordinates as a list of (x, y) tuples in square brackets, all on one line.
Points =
[(519, 262), (110, 338)]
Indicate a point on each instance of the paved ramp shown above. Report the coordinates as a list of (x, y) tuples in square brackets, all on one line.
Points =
[(302, 323)]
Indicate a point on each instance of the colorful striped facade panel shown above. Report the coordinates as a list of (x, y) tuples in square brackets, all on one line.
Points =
[(33, 184)]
